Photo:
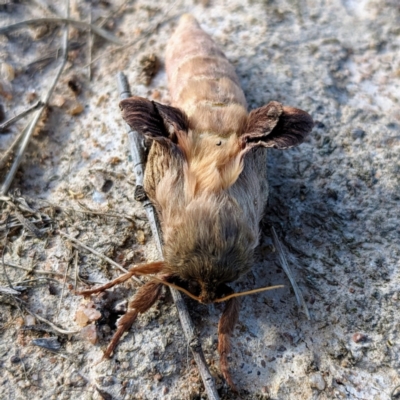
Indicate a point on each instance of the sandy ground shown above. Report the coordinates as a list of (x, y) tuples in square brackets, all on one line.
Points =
[(334, 203)]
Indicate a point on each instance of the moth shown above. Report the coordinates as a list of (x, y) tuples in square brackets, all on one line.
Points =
[(206, 175)]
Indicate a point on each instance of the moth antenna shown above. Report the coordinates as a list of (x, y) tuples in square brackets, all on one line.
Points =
[(181, 289), (248, 292)]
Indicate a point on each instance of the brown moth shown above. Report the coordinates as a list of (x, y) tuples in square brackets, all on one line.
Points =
[(206, 174)]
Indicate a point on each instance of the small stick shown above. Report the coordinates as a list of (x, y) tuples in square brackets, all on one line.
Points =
[(102, 256), (4, 264), (289, 273), (17, 117), (7, 290), (17, 224), (28, 225), (39, 271), (53, 20), (84, 209), (8, 153), (193, 341), (26, 137)]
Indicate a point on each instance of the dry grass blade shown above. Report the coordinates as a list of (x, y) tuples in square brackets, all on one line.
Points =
[(289, 273), (5, 125), (25, 137), (7, 290), (102, 256), (41, 272), (78, 24), (28, 225)]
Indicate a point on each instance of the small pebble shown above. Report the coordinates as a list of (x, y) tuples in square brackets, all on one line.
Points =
[(58, 101), (357, 133), (89, 333), (140, 237), (7, 72), (86, 313), (317, 381), (30, 320), (359, 337), (158, 377), (76, 109)]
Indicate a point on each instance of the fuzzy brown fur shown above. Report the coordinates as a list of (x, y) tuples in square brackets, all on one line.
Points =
[(206, 173)]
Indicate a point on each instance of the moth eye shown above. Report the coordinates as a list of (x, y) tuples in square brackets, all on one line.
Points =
[(219, 143)]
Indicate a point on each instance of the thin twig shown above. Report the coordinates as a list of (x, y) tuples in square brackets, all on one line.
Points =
[(26, 137), (28, 224), (53, 20), (7, 290), (12, 149), (4, 263), (187, 324), (102, 256), (41, 272), (289, 273), (17, 117), (84, 210), (17, 224)]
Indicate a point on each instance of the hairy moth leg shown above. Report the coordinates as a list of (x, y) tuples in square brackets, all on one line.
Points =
[(145, 297), (143, 269), (226, 326)]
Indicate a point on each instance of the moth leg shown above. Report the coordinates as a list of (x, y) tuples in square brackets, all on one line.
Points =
[(226, 326), (145, 297), (142, 269)]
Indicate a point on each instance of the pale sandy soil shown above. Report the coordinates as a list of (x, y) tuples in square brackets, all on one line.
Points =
[(334, 203)]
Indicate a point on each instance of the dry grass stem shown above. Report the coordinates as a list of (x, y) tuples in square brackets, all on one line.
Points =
[(76, 242), (289, 273), (5, 125), (36, 118), (52, 20)]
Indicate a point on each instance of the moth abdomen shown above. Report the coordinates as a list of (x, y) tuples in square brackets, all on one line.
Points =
[(203, 82)]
